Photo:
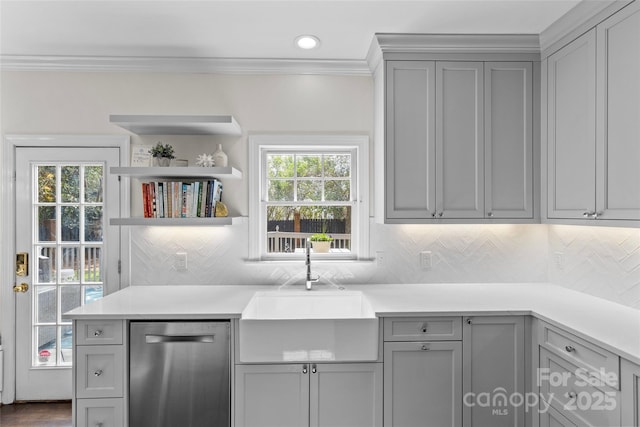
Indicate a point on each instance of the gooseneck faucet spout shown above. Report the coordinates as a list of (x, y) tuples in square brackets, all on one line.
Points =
[(310, 281)]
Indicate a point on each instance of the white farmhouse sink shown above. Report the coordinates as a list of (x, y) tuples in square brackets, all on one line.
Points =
[(304, 326)]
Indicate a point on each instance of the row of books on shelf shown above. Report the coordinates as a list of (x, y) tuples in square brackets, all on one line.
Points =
[(176, 199)]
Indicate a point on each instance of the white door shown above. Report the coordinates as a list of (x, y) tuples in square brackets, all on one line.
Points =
[(63, 199)]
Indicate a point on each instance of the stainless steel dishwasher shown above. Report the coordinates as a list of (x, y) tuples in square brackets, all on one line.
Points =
[(179, 374)]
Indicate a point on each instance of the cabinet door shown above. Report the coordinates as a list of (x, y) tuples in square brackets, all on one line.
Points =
[(100, 412), (571, 126), (99, 371), (272, 395), (508, 134), (460, 140), (346, 395), (494, 365), (618, 143), (410, 140), (422, 384), (630, 392)]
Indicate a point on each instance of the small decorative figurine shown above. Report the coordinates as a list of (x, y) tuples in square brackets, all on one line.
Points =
[(205, 160)]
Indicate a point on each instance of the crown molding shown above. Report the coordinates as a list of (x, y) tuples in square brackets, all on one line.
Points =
[(385, 44), (184, 65), (581, 18)]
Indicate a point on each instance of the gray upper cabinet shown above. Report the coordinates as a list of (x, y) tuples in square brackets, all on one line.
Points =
[(508, 139), (593, 124), (571, 109), (458, 141), (410, 139), (618, 116)]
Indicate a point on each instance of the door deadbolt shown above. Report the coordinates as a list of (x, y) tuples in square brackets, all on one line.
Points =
[(22, 264)]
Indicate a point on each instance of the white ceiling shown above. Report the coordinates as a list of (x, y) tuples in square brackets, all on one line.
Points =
[(261, 29)]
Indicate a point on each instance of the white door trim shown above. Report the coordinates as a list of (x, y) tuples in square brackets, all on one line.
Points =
[(7, 221)]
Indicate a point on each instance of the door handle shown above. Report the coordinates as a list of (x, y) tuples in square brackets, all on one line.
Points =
[(22, 288)]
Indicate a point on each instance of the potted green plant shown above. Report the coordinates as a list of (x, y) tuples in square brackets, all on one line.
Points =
[(162, 154), (321, 242)]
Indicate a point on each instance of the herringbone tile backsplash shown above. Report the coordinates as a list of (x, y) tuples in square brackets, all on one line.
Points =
[(601, 261)]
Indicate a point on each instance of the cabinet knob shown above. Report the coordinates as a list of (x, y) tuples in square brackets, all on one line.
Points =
[(469, 321), (440, 214), (424, 347), (489, 214), (314, 369), (423, 329), (569, 348), (433, 214), (98, 372), (97, 333), (304, 369)]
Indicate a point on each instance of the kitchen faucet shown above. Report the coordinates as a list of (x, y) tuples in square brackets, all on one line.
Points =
[(310, 281)]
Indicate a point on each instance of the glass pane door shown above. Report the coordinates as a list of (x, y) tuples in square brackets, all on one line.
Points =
[(68, 205)]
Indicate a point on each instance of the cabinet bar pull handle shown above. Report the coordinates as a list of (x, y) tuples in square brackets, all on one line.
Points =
[(569, 348)]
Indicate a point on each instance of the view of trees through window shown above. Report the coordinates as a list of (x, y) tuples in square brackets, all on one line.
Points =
[(308, 193)]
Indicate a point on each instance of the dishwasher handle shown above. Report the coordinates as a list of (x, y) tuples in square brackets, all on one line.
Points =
[(161, 339)]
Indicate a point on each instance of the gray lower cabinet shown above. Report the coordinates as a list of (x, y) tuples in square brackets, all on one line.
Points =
[(630, 387), (100, 373), (315, 395), (493, 371), (423, 371), (578, 380), (552, 418), (423, 384)]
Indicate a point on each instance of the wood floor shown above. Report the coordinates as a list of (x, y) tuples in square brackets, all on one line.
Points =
[(36, 415)]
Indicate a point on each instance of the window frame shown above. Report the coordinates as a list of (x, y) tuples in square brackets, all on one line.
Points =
[(356, 145)]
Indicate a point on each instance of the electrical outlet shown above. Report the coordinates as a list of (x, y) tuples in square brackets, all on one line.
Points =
[(180, 261), (425, 260), (558, 259), (380, 258)]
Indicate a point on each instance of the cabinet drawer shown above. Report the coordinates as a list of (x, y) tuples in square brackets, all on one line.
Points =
[(582, 353), (553, 418), (579, 397), (99, 332), (423, 328), (99, 413), (100, 371)]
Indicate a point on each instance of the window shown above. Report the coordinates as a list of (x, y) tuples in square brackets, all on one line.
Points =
[(306, 185)]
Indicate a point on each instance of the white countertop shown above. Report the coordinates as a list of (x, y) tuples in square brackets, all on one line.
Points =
[(613, 326)]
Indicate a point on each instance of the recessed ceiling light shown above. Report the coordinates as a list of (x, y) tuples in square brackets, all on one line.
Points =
[(307, 42)]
